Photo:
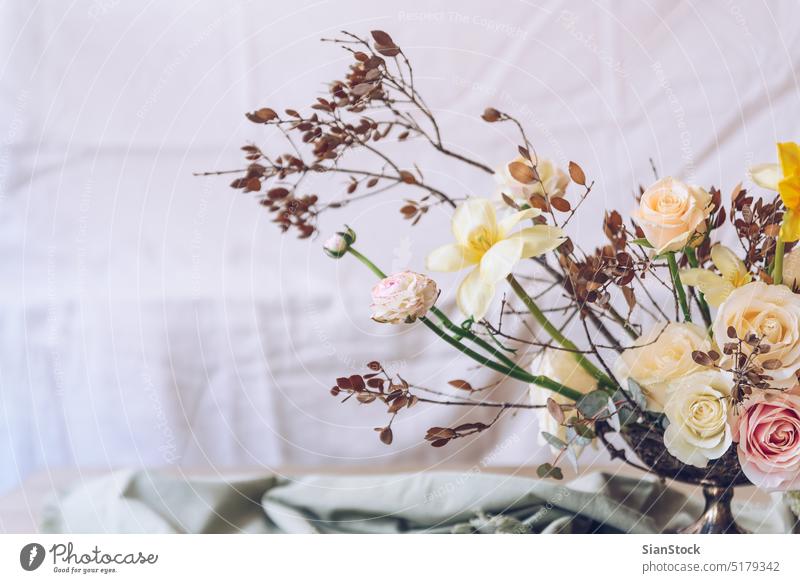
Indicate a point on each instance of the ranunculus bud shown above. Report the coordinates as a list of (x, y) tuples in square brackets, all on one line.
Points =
[(338, 244), (403, 297)]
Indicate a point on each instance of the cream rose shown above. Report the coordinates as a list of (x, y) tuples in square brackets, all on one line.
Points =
[(697, 409), (554, 181), (670, 212), (561, 366), (403, 297), (791, 268), (661, 356), (772, 312)]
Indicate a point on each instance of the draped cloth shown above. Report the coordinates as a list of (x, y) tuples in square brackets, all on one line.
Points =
[(429, 502)]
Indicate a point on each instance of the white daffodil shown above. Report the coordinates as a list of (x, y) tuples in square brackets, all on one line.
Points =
[(716, 288), (489, 245)]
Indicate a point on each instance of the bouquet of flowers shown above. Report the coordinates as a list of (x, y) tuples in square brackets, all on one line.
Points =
[(704, 391)]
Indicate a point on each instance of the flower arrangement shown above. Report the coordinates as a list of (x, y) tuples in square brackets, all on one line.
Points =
[(712, 379)]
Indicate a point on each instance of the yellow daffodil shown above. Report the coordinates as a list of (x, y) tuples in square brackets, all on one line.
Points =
[(716, 288), (489, 244), (784, 178)]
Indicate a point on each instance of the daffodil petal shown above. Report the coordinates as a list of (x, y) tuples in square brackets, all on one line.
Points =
[(790, 229), (729, 265), (505, 225), (716, 289), (474, 295), (500, 259), (766, 175), (451, 258), (789, 189), (789, 157), (474, 213), (539, 240)]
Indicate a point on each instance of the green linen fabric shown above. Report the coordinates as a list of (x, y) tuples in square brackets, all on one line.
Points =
[(427, 502)]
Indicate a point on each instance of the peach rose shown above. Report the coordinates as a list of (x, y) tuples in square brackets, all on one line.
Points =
[(554, 181), (670, 212), (771, 312), (768, 434)]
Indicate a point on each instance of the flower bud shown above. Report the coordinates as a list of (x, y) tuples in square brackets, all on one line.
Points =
[(338, 244)]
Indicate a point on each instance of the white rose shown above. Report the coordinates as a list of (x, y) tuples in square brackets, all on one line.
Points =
[(771, 312), (403, 297), (659, 357), (791, 268), (697, 409), (670, 212), (554, 181), (562, 367)]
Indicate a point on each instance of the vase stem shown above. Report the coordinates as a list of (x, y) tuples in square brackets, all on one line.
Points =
[(717, 518)]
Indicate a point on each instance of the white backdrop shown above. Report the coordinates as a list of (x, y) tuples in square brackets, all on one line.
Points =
[(150, 317)]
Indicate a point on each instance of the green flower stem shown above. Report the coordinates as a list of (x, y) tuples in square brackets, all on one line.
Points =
[(514, 372), (372, 267), (511, 370), (459, 331), (556, 334), (777, 270), (676, 282), (701, 299)]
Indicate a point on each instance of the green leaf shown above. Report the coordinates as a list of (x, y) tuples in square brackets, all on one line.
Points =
[(613, 418), (592, 404), (636, 394), (643, 243), (548, 470), (625, 411), (576, 438), (585, 431), (553, 440), (571, 453)]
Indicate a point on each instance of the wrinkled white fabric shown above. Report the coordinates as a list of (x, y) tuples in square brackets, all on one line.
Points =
[(150, 317)]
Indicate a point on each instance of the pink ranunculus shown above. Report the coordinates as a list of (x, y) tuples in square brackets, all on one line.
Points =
[(768, 434), (403, 297)]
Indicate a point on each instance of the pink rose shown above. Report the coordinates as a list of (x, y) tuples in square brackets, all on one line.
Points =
[(403, 297), (768, 433)]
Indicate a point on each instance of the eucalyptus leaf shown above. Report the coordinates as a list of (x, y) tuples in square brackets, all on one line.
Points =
[(592, 404), (585, 431), (553, 440), (636, 393), (613, 418), (575, 438), (571, 454)]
